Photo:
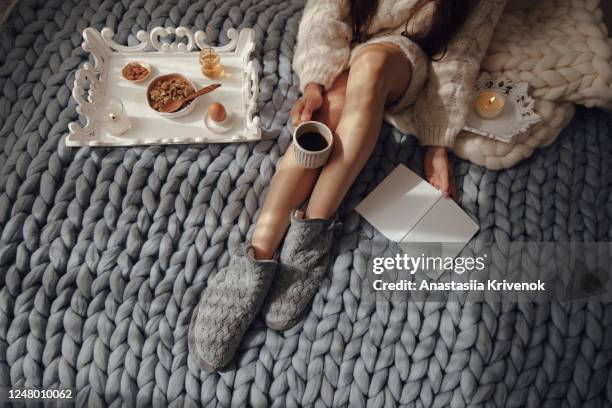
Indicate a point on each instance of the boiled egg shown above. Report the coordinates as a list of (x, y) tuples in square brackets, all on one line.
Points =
[(217, 112)]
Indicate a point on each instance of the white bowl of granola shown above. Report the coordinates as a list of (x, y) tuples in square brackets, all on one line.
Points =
[(165, 88)]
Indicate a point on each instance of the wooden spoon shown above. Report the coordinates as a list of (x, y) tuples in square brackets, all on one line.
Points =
[(177, 104)]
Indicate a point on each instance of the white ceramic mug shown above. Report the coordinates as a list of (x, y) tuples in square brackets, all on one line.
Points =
[(308, 158)]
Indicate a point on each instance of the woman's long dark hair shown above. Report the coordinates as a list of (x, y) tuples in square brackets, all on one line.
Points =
[(448, 16)]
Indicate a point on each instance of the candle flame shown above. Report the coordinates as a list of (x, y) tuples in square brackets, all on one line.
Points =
[(491, 100)]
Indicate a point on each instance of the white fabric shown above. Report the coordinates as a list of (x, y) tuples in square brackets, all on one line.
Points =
[(323, 51), (561, 48)]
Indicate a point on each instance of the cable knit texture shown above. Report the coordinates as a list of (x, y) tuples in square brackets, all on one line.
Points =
[(104, 253), (303, 262), (439, 112), (562, 49), (227, 308), (322, 51)]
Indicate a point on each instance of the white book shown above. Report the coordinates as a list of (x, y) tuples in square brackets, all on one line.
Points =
[(406, 208)]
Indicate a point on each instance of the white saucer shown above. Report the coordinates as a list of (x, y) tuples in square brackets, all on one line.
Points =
[(219, 127), (516, 118)]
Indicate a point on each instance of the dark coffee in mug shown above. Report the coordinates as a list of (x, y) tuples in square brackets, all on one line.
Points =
[(312, 141)]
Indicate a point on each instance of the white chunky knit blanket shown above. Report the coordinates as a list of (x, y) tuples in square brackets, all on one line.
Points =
[(104, 252), (561, 48)]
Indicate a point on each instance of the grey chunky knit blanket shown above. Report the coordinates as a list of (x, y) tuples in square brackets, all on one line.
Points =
[(104, 252)]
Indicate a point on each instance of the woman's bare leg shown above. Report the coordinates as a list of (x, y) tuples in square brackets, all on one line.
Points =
[(379, 73), (292, 184)]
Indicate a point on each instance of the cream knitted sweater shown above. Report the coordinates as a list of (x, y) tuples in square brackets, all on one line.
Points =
[(324, 48)]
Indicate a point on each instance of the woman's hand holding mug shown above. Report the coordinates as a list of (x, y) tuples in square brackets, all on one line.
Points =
[(309, 103)]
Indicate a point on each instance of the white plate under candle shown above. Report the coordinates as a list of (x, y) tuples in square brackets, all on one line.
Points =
[(516, 117)]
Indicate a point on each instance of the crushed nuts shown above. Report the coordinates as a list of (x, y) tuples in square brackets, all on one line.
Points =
[(167, 90), (135, 71)]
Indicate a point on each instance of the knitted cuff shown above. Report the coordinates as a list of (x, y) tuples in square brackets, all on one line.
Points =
[(319, 71)]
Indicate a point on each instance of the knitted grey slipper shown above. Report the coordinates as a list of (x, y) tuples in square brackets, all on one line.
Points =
[(228, 306), (304, 259)]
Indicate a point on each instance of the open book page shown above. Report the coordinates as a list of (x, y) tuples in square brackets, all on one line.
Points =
[(405, 208), (444, 222), (398, 203), (447, 224)]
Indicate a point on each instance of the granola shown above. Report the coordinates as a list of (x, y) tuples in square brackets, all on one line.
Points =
[(166, 90), (135, 71)]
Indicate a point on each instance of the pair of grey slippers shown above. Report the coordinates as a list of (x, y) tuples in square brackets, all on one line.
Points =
[(281, 290)]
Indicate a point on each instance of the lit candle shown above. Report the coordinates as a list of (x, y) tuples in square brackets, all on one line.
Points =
[(112, 116), (490, 104), (117, 125)]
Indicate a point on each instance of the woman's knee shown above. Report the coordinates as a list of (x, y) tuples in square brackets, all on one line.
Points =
[(375, 59), (376, 64)]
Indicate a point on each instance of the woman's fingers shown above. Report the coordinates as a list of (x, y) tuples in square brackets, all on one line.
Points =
[(310, 106), (437, 183), (439, 171), (434, 182), (444, 187), (296, 112), (307, 105), (442, 184)]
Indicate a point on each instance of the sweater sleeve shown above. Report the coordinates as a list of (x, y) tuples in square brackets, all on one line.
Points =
[(323, 42), (441, 110)]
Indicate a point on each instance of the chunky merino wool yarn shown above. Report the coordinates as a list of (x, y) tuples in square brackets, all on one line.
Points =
[(104, 252), (303, 262), (562, 50)]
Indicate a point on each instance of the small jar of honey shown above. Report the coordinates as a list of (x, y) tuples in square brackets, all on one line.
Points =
[(210, 60), (210, 63)]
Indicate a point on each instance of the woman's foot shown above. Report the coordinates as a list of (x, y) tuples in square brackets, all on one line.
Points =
[(439, 171)]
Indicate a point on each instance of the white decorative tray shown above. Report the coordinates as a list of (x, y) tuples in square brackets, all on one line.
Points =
[(516, 118), (238, 93)]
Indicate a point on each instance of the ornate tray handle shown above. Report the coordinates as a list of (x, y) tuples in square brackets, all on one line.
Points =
[(88, 87), (152, 41), (232, 34), (107, 35), (90, 80), (251, 94)]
